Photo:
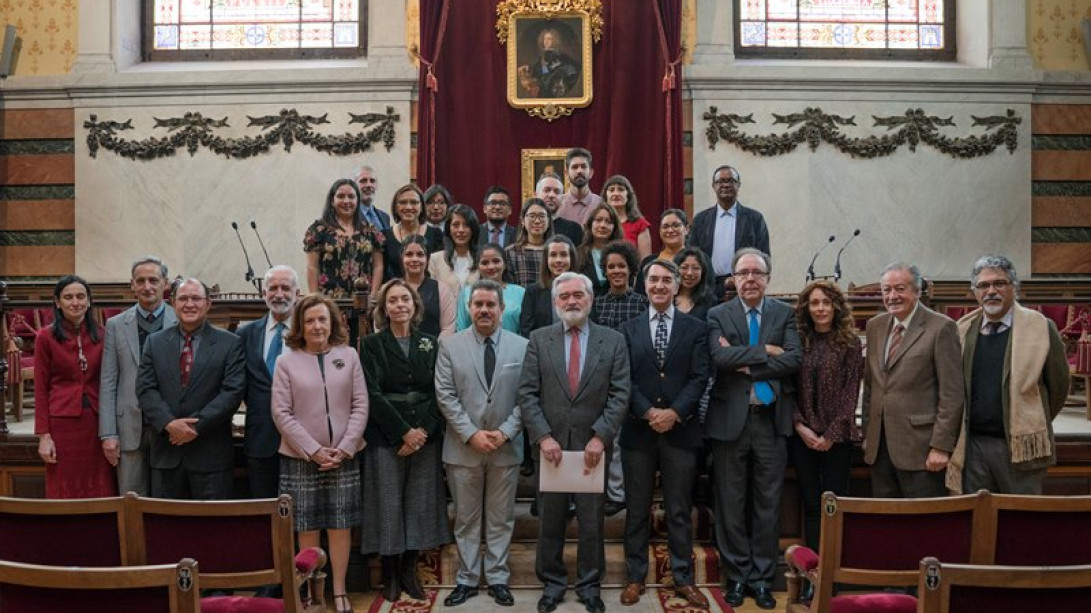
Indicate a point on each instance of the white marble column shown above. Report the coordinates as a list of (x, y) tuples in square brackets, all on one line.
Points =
[(1008, 30), (96, 26), (715, 32)]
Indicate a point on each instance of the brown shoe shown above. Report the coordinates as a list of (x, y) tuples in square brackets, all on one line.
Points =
[(692, 596), (631, 594)]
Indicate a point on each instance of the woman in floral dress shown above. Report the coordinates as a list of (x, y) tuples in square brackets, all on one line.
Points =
[(342, 246)]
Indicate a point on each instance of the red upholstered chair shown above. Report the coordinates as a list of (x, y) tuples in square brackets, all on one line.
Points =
[(88, 532), (880, 542), (239, 543), (166, 588), (963, 588), (1039, 531)]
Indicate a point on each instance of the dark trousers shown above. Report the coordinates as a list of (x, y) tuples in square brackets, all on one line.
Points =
[(751, 466), (989, 467), (678, 467), (181, 484), (590, 550), (818, 472), (887, 481), (264, 475)]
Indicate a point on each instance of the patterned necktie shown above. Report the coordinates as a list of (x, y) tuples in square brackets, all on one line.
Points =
[(661, 338), (574, 362), (495, 235), (150, 318), (185, 362), (762, 390), (490, 361), (993, 327), (276, 345), (895, 340)]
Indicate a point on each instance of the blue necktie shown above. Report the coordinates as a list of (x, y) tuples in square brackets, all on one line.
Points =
[(275, 347), (762, 390)]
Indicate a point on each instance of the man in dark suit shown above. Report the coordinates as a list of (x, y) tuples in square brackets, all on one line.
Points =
[(190, 384), (913, 391), (573, 391), (755, 353), (549, 189), (263, 342), (668, 353), (369, 184), (125, 440), (497, 210), (722, 230)]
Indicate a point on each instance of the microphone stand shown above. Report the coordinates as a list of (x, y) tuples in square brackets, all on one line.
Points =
[(254, 225), (250, 276), (837, 264), (810, 269)]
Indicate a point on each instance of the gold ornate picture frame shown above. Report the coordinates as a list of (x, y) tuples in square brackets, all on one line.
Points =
[(536, 162), (549, 70)]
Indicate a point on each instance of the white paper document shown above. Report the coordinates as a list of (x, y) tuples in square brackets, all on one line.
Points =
[(572, 476)]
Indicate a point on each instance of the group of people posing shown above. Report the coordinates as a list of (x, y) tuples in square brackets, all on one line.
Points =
[(495, 347)]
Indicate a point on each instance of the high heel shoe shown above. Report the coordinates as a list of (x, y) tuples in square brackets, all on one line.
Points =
[(342, 599)]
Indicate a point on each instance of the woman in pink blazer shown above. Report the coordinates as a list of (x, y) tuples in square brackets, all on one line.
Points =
[(320, 407)]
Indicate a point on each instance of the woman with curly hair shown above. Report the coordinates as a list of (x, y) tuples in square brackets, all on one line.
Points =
[(342, 246), (602, 227), (829, 386)]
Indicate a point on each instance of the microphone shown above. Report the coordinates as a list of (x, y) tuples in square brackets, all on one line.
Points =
[(249, 268), (810, 269), (262, 243), (837, 264)]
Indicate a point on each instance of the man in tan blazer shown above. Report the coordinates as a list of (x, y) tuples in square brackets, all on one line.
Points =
[(913, 391)]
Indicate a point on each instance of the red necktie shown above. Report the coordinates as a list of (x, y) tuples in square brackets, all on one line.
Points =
[(185, 363), (574, 362), (895, 340)]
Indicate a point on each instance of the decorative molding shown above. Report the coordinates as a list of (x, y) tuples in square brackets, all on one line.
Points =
[(194, 131), (912, 129), (507, 8)]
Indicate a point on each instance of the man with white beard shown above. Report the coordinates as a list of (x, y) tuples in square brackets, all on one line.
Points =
[(263, 342), (1016, 373)]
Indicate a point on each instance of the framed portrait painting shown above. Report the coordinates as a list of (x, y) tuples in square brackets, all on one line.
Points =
[(549, 69), (537, 162)]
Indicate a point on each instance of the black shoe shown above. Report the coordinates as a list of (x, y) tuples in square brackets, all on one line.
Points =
[(527, 469), (392, 589), (763, 596), (593, 604), (407, 575), (501, 594), (571, 512), (735, 594), (534, 508), (461, 594), (613, 507), (547, 604)]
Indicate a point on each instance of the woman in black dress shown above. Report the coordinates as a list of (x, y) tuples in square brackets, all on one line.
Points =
[(407, 219)]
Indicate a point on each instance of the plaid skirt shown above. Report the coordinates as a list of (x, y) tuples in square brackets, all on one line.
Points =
[(323, 500)]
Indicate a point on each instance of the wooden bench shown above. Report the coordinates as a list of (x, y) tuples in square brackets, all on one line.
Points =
[(88, 532), (974, 588), (163, 588)]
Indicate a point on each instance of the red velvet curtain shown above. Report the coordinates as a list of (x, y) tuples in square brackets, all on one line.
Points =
[(478, 137)]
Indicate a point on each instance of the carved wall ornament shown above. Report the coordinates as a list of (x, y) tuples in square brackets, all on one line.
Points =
[(193, 131), (816, 127)]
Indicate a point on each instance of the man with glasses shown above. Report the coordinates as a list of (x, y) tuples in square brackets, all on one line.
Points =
[(497, 211), (191, 381), (755, 354), (913, 391), (1016, 376), (722, 230)]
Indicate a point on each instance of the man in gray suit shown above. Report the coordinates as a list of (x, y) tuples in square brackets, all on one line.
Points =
[(190, 384), (477, 378), (755, 352), (574, 393), (120, 422)]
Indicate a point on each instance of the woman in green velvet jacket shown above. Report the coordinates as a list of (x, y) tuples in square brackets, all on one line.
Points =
[(404, 510)]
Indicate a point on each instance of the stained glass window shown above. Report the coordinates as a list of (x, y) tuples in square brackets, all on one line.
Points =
[(860, 29), (253, 29)]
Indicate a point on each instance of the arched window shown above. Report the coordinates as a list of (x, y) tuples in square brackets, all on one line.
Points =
[(178, 30), (845, 29)]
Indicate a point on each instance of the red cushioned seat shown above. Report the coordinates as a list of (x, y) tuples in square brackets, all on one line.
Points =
[(241, 604), (873, 603)]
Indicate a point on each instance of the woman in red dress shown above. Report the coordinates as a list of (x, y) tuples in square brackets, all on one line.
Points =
[(618, 192), (67, 359)]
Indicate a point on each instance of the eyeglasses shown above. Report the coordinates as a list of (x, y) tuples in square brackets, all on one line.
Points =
[(189, 299), (536, 216), (437, 202), (671, 226), (725, 181), (497, 203), (757, 274), (999, 284)]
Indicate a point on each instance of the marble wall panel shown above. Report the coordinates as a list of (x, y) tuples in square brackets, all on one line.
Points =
[(181, 207), (927, 207)]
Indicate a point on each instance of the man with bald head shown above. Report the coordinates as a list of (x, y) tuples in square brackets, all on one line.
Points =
[(550, 189), (190, 384)]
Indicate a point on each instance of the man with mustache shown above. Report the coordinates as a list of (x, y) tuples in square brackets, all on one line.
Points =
[(477, 378), (574, 392), (263, 342), (913, 391), (1016, 377), (579, 200)]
